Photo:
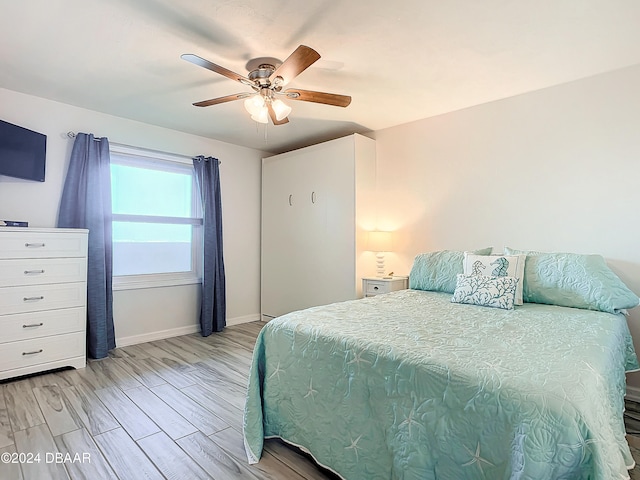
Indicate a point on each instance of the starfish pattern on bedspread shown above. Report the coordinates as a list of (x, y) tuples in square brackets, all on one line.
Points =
[(477, 459)]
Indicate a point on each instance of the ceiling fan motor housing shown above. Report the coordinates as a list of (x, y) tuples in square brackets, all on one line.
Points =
[(261, 74)]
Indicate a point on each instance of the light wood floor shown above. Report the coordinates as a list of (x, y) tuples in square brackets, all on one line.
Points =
[(166, 409)]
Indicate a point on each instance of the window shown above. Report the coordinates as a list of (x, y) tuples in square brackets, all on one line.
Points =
[(156, 219)]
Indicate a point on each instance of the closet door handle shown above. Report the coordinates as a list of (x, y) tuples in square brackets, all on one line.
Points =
[(291, 200), (313, 197)]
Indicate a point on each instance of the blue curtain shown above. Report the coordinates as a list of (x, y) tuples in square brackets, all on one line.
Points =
[(86, 203), (213, 309)]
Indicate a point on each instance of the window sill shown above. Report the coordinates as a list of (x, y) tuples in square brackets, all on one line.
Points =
[(136, 282)]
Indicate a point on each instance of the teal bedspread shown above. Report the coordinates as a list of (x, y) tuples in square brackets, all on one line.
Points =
[(411, 386)]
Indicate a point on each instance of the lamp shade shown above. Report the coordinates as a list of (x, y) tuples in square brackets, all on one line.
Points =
[(281, 109), (262, 116), (379, 241), (254, 104)]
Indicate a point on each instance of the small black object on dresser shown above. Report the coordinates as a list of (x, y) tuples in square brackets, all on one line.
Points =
[(13, 223)]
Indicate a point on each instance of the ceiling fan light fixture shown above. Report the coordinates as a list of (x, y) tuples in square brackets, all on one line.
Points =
[(262, 116), (255, 105), (281, 109)]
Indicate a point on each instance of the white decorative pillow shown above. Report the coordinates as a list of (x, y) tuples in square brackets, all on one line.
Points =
[(497, 266), (486, 291)]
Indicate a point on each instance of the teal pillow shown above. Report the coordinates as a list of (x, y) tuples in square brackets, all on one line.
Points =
[(438, 271), (573, 280)]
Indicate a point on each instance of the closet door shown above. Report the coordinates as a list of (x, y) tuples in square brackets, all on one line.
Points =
[(282, 222), (331, 196), (308, 244)]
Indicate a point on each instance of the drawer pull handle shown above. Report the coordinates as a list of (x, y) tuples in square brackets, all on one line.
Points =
[(32, 353), (30, 299), (31, 325), (291, 200), (376, 288), (29, 245), (31, 272)]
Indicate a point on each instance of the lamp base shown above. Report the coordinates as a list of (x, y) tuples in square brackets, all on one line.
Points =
[(380, 265)]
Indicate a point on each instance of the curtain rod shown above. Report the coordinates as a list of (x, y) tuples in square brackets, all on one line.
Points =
[(71, 134)]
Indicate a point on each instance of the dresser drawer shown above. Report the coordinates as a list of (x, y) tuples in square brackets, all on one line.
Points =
[(34, 271), (25, 326), (38, 244), (34, 298), (373, 287), (41, 350)]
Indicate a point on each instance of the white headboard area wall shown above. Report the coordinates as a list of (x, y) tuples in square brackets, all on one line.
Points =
[(556, 169)]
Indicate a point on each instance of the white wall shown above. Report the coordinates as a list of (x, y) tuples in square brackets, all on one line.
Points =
[(149, 313), (555, 170)]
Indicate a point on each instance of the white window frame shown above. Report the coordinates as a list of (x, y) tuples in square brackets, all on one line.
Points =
[(141, 157)]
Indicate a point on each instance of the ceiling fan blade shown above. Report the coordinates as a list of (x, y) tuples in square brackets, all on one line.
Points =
[(201, 62), (216, 101), (295, 64), (274, 119), (317, 97)]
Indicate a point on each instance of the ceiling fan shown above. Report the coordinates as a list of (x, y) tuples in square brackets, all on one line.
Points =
[(268, 81)]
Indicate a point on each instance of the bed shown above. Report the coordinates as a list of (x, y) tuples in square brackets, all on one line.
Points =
[(410, 385)]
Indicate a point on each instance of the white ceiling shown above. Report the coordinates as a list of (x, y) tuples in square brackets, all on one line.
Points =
[(400, 61)]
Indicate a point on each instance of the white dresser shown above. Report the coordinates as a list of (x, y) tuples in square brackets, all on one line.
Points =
[(43, 298)]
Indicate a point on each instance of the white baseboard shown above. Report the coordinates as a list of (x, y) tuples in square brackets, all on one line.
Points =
[(254, 317), (176, 332), (633, 394), (157, 335)]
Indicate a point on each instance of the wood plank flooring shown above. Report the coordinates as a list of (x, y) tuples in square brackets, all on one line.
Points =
[(169, 409)]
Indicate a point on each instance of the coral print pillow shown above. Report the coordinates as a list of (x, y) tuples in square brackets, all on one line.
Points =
[(497, 266), (486, 291)]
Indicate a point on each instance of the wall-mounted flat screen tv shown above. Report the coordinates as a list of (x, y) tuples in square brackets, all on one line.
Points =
[(22, 152)]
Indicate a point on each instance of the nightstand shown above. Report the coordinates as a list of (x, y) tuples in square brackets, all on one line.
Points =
[(372, 286)]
